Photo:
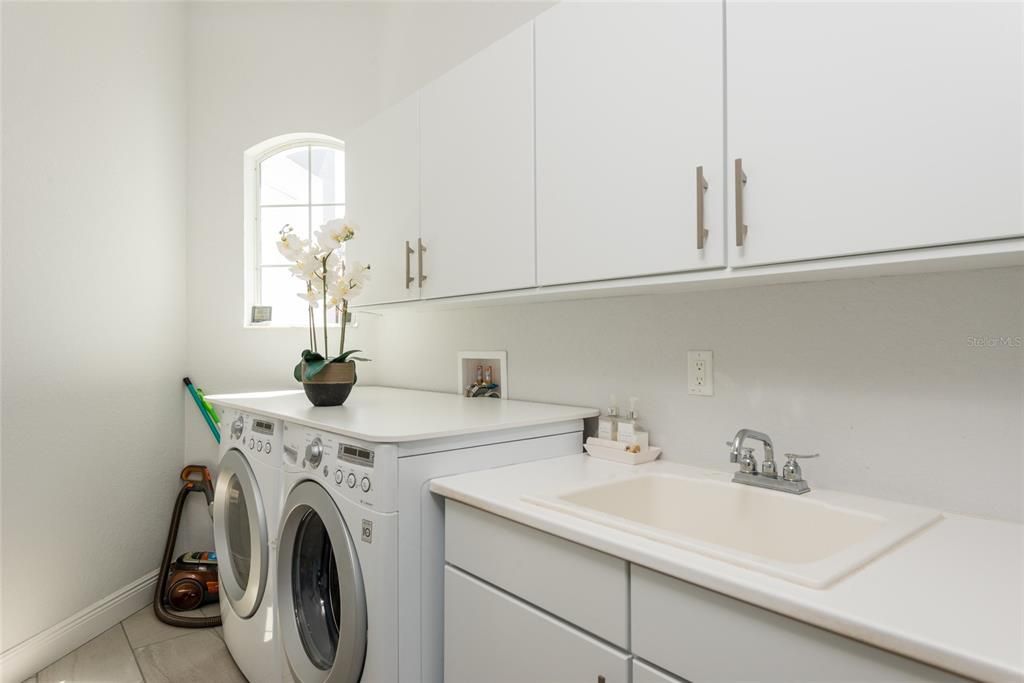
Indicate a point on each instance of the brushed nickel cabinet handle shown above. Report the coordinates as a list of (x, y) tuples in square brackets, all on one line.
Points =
[(408, 276), (741, 181), (421, 248), (702, 188)]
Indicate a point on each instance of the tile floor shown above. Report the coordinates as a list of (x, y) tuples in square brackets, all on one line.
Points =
[(143, 649)]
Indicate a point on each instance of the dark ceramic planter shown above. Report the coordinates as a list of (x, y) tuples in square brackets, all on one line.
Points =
[(332, 385)]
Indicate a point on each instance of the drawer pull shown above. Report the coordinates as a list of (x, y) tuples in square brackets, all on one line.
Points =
[(741, 181)]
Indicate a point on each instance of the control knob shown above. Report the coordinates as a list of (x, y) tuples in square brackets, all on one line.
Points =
[(365, 484), (237, 426), (315, 452), (351, 481)]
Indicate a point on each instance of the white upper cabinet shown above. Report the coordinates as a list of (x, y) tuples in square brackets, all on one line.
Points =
[(477, 219), (629, 104), (382, 188), (873, 126)]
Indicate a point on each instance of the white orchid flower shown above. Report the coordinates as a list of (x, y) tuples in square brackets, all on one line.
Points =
[(290, 245), (354, 290), (333, 234), (335, 262), (311, 297), (357, 270), (337, 292), (307, 266)]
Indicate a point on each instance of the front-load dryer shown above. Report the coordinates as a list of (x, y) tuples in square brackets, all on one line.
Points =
[(246, 510), (337, 576)]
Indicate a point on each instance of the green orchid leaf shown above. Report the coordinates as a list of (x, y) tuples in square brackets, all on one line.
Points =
[(312, 368), (314, 364), (366, 360), (344, 357)]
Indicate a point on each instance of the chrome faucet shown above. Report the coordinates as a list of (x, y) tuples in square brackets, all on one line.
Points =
[(738, 452), (791, 481)]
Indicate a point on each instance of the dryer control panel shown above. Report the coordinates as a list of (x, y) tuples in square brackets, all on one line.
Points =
[(258, 437), (364, 473)]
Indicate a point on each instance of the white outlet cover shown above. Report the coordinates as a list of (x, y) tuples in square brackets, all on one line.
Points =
[(700, 373)]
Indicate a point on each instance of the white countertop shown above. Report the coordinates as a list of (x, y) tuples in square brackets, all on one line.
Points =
[(387, 415), (951, 596)]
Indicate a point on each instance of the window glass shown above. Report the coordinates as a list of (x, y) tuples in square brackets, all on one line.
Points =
[(284, 177), (302, 186), (272, 219), (328, 167)]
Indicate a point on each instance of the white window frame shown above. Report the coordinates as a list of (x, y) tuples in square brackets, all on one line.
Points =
[(253, 266)]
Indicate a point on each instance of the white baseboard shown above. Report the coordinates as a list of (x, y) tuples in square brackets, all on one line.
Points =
[(31, 656)]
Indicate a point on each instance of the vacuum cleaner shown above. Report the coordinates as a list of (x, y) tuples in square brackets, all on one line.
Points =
[(190, 580)]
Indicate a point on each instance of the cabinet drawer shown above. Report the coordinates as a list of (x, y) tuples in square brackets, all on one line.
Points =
[(578, 584), (705, 636), (491, 636)]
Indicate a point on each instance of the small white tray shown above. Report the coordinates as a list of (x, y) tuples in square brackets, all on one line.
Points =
[(620, 454)]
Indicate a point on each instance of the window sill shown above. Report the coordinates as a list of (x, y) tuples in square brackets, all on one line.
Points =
[(286, 326)]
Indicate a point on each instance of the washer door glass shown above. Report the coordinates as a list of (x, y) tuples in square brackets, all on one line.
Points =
[(239, 533), (316, 591), (320, 587)]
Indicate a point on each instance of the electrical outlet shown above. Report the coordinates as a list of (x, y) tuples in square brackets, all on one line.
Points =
[(700, 373)]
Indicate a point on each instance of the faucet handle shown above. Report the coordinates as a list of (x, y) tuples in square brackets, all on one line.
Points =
[(791, 470), (748, 464)]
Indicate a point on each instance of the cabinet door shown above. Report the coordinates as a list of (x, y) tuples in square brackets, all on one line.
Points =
[(491, 636), (874, 126), (477, 172), (701, 635), (629, 104), (382, 187)]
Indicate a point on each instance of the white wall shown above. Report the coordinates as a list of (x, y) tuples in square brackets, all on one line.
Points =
[(259, 70), (876, 374), (879, 375), (93, 300)]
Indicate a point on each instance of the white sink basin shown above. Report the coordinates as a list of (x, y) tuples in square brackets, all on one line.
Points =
[(813, 540)]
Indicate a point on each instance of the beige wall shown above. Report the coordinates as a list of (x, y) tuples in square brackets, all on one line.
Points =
[(93, 300)]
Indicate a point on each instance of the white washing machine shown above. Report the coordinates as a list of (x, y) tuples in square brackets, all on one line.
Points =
[(337, 578), (246, 511), (360, 572)]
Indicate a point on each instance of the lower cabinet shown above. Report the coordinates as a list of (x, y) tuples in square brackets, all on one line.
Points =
[(565, 614), (494, 637)]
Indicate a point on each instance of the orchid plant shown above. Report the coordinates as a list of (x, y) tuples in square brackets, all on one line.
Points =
[(332, 281)]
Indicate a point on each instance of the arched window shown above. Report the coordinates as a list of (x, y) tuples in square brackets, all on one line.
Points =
[(296, 180)]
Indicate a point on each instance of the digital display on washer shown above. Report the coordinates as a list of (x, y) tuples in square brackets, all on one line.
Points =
[(263, 427), (356, 456)]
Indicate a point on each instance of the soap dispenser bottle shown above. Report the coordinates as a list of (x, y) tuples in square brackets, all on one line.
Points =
[(608, 424), (630, 432)]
